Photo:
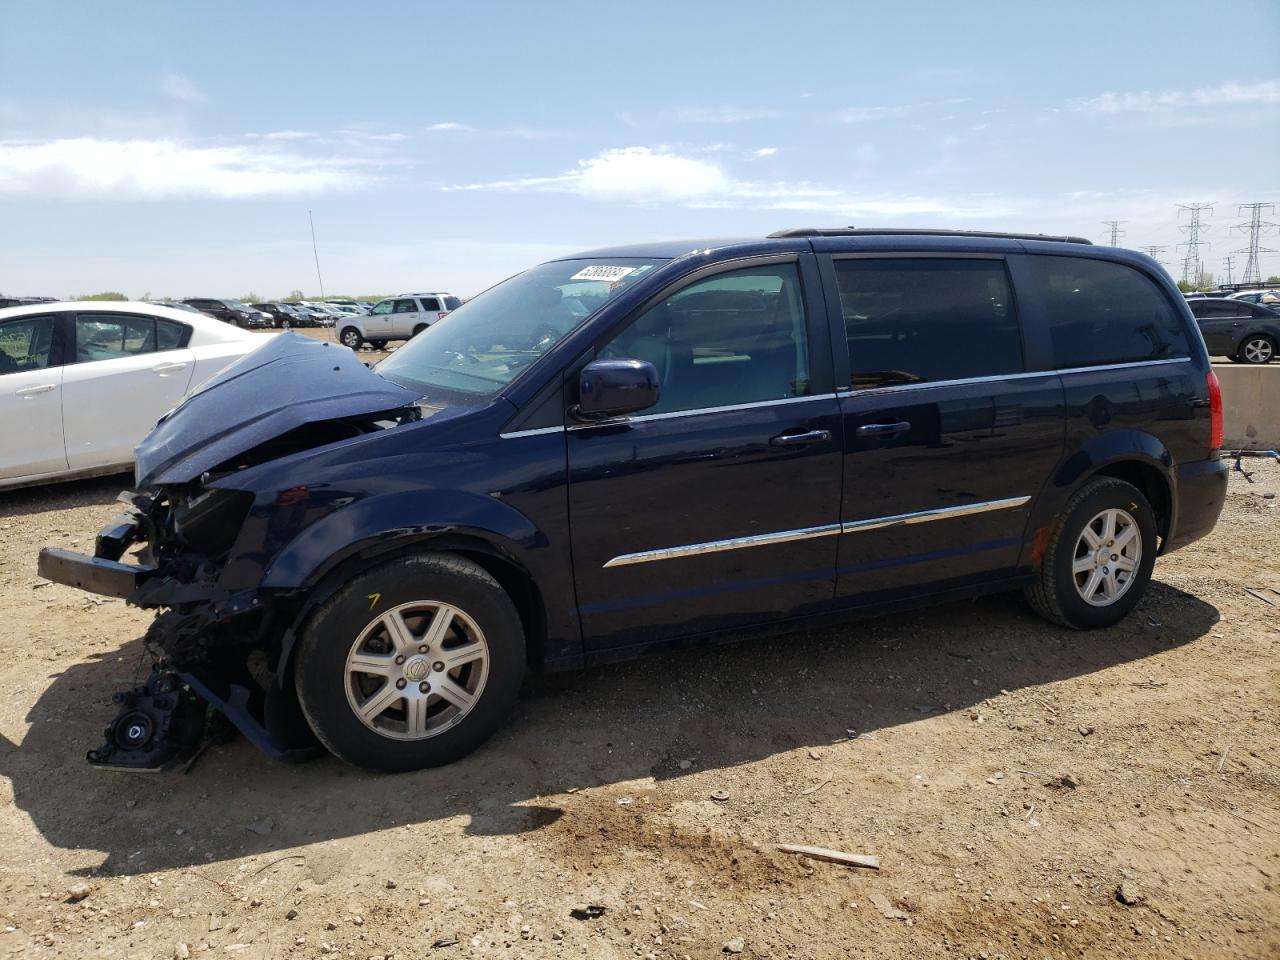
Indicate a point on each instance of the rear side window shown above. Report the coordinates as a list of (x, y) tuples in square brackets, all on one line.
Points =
[(107, 336), (1102, 312), (919, 320), (171, 335), (430, 303), (25, 344)]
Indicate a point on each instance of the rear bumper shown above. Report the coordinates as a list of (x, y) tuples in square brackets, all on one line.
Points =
[(1201, 493)]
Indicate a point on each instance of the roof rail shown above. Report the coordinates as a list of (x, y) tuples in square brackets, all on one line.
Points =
[(911, 232)]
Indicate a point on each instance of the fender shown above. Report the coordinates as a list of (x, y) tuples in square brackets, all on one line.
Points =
[(376, 523), (1099, 454)]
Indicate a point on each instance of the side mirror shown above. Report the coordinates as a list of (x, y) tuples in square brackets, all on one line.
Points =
[(614, 388)]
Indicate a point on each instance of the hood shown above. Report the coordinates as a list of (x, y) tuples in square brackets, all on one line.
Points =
[(287, 383)]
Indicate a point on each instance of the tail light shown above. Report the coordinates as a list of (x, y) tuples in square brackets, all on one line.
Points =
[(1215, 412), (442, 314)]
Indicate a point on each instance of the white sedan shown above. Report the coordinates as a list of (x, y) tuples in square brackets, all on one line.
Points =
[(81, 383)]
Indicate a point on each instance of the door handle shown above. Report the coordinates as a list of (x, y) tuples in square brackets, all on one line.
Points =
[(800, 439), (883, 429), (33, 391), (163, 368)]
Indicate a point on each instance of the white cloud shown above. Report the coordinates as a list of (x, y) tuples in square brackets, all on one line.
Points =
[(178, 87), (765, 152), (722, 114), (86, 167), (449, 126), (644, 175), (287, 135), (1147, 101), (865, 114)]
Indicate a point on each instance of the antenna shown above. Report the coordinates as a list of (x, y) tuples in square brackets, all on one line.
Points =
[(1191, 263), (1116, 232), (316, 252), (1256, 227)]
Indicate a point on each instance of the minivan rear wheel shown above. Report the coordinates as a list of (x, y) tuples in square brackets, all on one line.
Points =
[(1099, 558), (412, 664)]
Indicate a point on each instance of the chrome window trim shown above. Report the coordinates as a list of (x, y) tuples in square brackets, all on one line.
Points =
[(535, 432), (673, 414), (808, 533), (717, 546), (924, 516), (1000, 378)]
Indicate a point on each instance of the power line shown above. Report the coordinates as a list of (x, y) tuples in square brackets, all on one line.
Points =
[(1192, 266), (315, 250), (1116, 232), (1154, 253), (1256, 227), (1227, 264)]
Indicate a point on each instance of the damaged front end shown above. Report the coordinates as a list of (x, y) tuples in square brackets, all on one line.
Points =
[(197, 550)]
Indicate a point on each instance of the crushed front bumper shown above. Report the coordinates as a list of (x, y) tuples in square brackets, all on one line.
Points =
[(111, 578)]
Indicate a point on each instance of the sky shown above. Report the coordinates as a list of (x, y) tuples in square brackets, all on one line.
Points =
[(175, 149)]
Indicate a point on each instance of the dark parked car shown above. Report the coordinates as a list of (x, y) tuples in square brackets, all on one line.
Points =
[(1245, 332), (229, 311), (646, 446), (284, 316)]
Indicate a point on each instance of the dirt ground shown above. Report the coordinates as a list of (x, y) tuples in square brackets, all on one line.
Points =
[(1010, 776)]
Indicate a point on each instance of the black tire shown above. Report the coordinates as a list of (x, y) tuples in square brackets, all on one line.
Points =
[(331, 633), (378, 344), (1055, 595), (1257, 348), (350, 337), (417, 330), (285, 325)]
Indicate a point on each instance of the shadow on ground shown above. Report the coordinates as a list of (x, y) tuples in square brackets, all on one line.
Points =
[(724, 706), (52, 497)]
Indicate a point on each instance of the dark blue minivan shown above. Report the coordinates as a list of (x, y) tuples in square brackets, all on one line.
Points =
[(645, 446)]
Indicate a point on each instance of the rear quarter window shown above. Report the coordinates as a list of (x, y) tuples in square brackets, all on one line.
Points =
[(1101, 312)]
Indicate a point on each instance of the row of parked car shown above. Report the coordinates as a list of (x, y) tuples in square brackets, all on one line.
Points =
[(1244, 327), (279, 315)]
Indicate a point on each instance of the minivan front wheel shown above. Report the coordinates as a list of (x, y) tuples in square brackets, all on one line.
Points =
[(412, 664), (1257, 349), (1099, 558), (350, 337)]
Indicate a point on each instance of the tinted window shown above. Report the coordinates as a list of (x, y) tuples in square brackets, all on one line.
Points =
[(25, 344), (737, 337), (919, 320), (171, 335), (1260, 311), (430, 303), (452, 303), (106, 336), (407, 306), (1102, 312)]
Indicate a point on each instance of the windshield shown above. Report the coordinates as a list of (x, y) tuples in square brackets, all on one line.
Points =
[(485, 343), (235, 305)]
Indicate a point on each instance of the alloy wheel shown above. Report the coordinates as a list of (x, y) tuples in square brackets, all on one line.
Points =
[(1106, 558), (1257, 350), (350, 338), (416, 670)]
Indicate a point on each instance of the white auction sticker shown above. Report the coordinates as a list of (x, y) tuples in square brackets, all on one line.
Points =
[(603, 272)]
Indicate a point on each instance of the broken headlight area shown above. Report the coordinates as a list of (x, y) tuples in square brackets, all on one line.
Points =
[(212, 648)]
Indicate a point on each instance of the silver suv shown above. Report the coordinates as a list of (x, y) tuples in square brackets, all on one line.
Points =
[(396, 318)]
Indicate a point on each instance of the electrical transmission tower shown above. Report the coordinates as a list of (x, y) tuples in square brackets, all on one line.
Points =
[(1154, 253), (1116, 232), (1227, 264), (1191, 263), (1255, 226)]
